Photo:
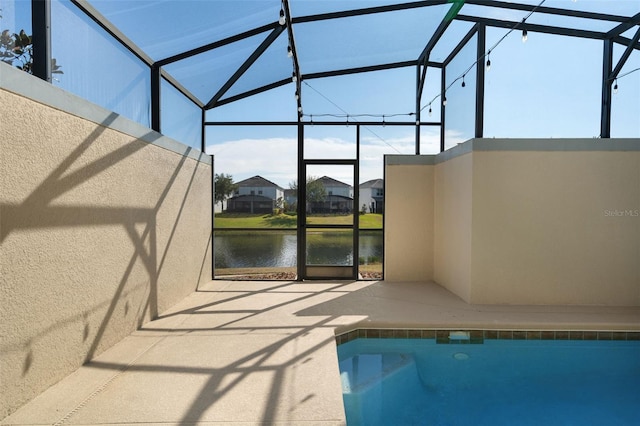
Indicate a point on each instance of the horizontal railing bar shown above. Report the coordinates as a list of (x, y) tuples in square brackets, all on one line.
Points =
[(320, 123)]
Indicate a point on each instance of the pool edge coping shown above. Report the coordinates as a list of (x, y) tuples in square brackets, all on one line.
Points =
[(485, 334)]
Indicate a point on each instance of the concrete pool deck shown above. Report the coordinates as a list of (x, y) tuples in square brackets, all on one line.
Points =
[(247, 353)]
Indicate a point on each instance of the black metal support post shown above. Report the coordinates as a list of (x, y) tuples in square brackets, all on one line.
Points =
[(443, 87), (41, 24), (480, 82), (418, 97), (294, 56), (203, 139), (155, 97), (213, 219), (301, 196), (356, 209), (605, 111)]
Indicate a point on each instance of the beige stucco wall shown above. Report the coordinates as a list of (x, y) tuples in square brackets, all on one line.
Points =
[(408, 223), (545, 229), (453, 219), (520, 222), (100, 232)]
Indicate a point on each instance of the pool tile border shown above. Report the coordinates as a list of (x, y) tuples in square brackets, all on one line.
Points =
[(476, 336)]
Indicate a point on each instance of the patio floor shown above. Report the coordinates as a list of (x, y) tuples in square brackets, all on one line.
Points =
[(239, 352)]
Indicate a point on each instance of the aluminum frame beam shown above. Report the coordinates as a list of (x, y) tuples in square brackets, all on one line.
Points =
[(368, 11), (322, 74), (113, 31), (294, 57), (480, 71), (156, 80), (625, 56), (443, 107), (635, 20), (358, 70), (548, 10), (42, 56), (626, 42), (437, 35), (252, 92), (546, 29), (301, 223), (439, 32), (605, 111), (155, 67), (245, 66), (468, 36), (175, 83), (41, 41), (216, 44), (423, 59), (319, 123), (419, 79)]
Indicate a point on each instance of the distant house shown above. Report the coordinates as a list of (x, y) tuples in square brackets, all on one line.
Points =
[(371, 194), (255, 195), (290, 199), (338, 199)]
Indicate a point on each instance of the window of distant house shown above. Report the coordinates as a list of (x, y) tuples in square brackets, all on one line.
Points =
[(330, 192), (253, 192), (259, 192)]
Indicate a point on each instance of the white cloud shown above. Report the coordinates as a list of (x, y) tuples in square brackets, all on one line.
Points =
[(273, 158), (276, 158)]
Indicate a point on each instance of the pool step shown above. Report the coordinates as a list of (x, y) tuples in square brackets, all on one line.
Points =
[(362, 372)]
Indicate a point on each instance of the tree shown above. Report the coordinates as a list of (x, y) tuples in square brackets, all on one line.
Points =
[(223, 187), (280, 204), (17, 50), (316, 192)]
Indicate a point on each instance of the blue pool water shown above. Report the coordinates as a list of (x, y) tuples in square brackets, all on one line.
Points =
[(499, 382)]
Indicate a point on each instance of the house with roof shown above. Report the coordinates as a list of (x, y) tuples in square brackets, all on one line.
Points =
[(371, 194), (255, 195), (338, 197)]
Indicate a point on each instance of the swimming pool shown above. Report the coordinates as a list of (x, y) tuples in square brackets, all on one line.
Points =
[(497, 382)]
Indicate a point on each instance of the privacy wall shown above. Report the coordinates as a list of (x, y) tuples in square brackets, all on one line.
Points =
[(105, 224), (528, 221), (409, 240)]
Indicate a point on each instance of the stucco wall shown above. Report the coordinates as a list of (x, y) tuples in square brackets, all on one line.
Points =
[(100, 232), (546, 231), (554, 222), (453, 220), (408, 216)]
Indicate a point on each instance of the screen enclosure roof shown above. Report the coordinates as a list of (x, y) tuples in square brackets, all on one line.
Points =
[(220, 51)]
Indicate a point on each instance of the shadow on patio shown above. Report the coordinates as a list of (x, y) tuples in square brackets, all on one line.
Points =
[(231, 352), (264, 352)]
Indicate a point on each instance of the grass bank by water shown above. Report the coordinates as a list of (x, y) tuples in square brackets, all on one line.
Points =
[(246, 220), (367, 272)]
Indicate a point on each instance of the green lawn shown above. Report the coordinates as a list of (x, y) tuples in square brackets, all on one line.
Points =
[(246, 220)]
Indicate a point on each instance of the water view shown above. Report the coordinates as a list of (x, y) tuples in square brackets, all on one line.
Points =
[(268, 249)]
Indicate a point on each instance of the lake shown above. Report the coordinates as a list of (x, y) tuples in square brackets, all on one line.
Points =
[(261, 249)]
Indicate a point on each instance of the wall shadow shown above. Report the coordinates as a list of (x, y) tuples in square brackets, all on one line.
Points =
[(40, 211)]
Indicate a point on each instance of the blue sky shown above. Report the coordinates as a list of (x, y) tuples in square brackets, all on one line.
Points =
[(546, 87)]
